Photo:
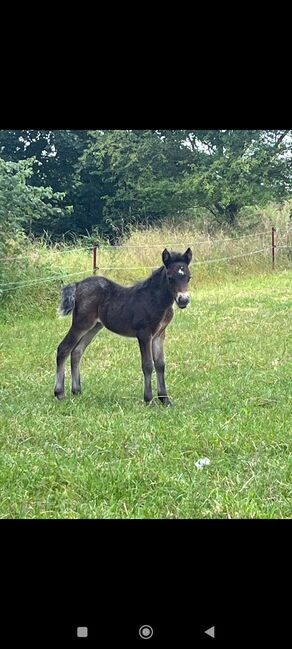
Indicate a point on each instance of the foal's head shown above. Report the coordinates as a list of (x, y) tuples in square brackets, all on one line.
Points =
[(178, 275)]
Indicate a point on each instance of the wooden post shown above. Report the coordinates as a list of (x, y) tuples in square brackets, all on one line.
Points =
[(94, 266), (273, 246)]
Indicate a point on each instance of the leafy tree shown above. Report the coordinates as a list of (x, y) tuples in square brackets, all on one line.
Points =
[(239, 168), (136, 173), (55, 155), (21, 204), (146, 175), (113, 178)]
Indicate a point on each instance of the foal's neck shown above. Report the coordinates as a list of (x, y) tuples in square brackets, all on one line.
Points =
[(161, 288)]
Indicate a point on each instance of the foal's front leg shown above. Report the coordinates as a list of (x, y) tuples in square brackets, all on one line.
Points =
[(159, 364), (145, 343)]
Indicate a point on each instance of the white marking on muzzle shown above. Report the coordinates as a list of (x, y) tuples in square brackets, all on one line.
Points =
[(185, 296)]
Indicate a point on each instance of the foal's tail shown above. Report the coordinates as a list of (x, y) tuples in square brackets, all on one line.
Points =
[(67, 299)]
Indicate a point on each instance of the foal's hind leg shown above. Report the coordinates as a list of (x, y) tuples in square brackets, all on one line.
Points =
[(68, 343), (76, 356), (159, 364), (80, 327)]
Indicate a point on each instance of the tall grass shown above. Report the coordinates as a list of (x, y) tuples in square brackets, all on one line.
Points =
[(39, 269)]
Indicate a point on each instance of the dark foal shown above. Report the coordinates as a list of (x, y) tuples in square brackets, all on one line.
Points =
[(142, 311)]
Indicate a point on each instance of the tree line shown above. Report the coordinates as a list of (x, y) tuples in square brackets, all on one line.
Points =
[(79, 181)]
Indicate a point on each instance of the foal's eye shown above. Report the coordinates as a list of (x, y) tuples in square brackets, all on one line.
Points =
[(171, 278)]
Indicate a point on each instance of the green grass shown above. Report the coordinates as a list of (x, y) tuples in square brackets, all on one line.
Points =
[(107, 455)]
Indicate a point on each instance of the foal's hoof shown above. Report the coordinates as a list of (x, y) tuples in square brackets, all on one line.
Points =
[(60, 395), (166, 402), (74, 392)]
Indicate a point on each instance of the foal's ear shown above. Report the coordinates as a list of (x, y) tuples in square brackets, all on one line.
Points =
[(166, 257), (188, 256)]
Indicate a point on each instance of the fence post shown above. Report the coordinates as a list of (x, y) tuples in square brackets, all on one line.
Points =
[(94, 266), (273, 245)]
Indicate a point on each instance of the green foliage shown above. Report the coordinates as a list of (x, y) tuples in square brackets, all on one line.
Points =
[(117, 178), (55, 155), (149, 175), (138, 173), (240, 168), (21, 204)]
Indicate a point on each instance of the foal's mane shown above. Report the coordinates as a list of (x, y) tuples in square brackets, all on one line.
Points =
[(176, 257)]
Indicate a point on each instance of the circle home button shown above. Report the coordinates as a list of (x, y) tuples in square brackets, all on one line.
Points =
[(146, 632)]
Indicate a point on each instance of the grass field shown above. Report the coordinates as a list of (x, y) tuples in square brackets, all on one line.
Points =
[(105, 454)]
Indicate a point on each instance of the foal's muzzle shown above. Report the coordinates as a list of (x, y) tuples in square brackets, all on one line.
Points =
[(182, 300)]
